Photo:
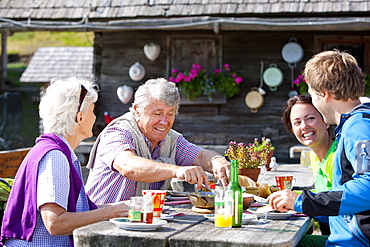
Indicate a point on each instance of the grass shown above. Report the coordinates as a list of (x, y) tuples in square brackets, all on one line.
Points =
[(15, 71), (26, 43)]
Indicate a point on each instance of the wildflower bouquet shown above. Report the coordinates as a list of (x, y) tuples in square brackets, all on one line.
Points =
[(196, 82)]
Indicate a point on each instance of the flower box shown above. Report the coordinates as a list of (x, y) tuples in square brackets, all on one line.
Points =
[(217, 99), (197, 83)]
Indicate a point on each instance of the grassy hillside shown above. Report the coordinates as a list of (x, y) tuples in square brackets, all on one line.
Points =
[(21, 46), (27, 43)]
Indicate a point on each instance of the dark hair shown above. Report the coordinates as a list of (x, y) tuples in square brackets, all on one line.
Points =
[(298, 99)]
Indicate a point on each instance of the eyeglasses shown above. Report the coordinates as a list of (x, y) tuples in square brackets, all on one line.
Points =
[(82, 97)]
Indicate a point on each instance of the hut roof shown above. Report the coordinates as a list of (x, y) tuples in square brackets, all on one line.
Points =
[(95, 15), (97, 9), (51, 62)]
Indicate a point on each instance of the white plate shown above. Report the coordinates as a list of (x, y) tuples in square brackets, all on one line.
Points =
[(272, 215), (177, 198), (124, 223), (245, 218)]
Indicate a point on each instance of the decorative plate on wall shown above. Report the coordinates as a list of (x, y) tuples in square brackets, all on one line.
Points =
[(152, 51), (137, 72)]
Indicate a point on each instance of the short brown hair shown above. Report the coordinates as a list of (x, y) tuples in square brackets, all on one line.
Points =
[(337, 72)]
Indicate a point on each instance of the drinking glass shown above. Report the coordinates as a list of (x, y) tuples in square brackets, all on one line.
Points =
[(305, 158)]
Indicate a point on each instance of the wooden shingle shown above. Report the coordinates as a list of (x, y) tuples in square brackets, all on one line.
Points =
[(55, 9), (51, 62)]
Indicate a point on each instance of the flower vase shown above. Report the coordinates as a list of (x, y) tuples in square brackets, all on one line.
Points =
[(252, 173), (268, 160)]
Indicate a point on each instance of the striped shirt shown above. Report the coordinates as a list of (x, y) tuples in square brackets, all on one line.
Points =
[(53, 187), (105, 185)]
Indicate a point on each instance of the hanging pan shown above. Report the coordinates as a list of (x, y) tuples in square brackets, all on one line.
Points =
[(273, 77), (254, 100), (292, 51)]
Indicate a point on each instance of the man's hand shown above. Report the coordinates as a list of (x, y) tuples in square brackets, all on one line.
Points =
[(221, 170), (283, 200), (192, 175)]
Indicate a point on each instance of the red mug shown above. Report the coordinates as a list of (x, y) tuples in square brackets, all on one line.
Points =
[(284, 182), (158, 201)]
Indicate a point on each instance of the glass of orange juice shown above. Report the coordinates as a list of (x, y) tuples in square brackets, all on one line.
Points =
[(223, 209), (223, 221)]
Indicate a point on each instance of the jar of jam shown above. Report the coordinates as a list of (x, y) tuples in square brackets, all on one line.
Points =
[(135, 208)]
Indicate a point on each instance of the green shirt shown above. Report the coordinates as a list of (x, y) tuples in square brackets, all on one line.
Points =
[(323, 171)]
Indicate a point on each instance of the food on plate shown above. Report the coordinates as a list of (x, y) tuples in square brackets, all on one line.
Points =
[(269, 209), (248, 185), (264, 209), (264, 190)]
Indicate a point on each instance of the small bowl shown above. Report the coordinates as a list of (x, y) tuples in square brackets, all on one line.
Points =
[(247, 200), (208, 201)]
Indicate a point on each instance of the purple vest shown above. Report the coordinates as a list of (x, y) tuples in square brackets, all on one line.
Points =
[(19, 220)]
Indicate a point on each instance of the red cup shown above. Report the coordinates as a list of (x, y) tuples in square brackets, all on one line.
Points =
[(158, 201), (284, 182)]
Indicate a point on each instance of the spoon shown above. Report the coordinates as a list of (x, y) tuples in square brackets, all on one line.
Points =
[(260, 89), (265, 219)]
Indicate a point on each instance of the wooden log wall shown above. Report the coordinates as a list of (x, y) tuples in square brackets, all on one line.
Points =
[(208, 124)]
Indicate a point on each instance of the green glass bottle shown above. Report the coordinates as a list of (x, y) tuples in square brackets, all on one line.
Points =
[(236, 191)]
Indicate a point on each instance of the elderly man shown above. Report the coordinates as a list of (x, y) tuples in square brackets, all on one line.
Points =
[(335, 84), (140, 150)]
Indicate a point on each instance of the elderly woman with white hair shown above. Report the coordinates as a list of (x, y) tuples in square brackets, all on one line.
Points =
[(48, 199)]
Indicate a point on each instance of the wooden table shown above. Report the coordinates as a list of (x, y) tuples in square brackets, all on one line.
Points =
[(303, 176), (195, 230)]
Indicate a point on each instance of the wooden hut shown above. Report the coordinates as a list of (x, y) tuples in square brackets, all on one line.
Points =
[(210, 32)]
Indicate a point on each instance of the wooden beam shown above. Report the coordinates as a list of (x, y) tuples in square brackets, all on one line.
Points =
[(4, 59)]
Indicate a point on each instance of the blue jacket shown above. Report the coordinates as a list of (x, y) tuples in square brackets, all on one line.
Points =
[(348, 204)]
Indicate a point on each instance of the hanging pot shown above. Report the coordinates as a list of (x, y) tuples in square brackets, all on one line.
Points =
[(273, 77), (136, 72), (292, 52), (254, 100)]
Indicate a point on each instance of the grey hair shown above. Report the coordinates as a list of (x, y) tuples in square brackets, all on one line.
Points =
[(59, 104), (159, 89)]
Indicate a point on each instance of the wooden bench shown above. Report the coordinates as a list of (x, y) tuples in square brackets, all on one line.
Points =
[(10, 161)]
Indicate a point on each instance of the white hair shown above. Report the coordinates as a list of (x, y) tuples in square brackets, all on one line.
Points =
[(60, 103), (159, 89)]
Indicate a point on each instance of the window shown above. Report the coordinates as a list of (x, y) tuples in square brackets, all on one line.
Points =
[(358, 46), (186, 50)]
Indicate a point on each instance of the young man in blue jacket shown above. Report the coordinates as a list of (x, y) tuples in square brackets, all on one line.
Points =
[(335, 84)]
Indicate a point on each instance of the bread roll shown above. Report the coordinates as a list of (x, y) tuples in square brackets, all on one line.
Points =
[(246, 181)]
